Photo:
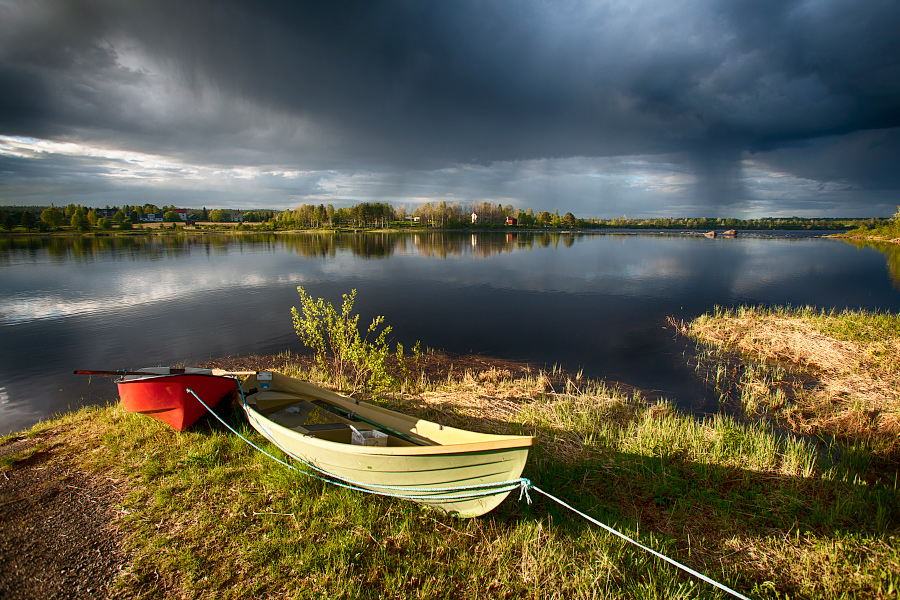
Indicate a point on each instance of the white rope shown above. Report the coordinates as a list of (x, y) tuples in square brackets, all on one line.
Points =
[(467, 492), (476, 490), (522, 483), (642, 547)]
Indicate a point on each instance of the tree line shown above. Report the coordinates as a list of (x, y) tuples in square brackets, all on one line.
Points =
[(365, 215), (440, 215), (477, 215), (81, 218)]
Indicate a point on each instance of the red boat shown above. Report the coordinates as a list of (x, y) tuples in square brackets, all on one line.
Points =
[(161, 393)]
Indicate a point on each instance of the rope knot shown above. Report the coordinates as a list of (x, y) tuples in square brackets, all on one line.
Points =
[(525, 485)]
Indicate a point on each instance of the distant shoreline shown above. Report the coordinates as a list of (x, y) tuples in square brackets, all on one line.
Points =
[(249, 230)]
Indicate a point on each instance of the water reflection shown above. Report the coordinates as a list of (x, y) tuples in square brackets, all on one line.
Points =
[(891, 253), (308, 245), (34, 288), (596, 302)]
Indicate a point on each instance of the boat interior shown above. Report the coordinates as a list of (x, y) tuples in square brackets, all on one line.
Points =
[(318, 418)]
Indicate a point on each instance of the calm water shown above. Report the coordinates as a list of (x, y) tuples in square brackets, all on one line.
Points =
[(591, 302)]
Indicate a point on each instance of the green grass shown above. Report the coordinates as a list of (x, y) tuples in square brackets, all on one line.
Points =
[(758, 510)]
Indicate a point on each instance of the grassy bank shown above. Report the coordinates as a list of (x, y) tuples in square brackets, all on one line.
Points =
[(827, 374), (765, 513), (886, 231)]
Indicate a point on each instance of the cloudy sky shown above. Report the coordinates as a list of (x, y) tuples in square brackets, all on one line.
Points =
[(603, 108)]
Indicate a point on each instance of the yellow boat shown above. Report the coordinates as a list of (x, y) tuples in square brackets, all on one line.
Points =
[(366, 446)]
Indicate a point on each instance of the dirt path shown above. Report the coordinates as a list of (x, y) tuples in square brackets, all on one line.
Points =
[(56, 534)]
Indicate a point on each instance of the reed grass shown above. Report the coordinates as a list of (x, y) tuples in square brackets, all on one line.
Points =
[(757, 509), (834, 375)]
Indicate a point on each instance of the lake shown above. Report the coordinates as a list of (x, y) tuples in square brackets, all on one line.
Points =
[(591, 302)]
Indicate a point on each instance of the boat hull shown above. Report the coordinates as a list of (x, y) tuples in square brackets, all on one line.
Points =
[(447, 458), (163, 395)]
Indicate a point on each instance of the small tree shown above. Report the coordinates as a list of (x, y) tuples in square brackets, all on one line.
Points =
[(348, 357), (52, 216), (27, 221), (79, 220), (171, 217), (219, 216), (8, 219)]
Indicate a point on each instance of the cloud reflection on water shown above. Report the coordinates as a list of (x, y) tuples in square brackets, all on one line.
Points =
[(592, 301)]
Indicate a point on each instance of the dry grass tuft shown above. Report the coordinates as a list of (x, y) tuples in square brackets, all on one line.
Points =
[(846, 367), (776, 338)]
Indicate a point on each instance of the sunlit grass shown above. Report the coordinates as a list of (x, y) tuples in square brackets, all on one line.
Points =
[(761, 510)]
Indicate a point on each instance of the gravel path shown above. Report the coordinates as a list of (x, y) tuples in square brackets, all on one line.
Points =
[(57, 539)]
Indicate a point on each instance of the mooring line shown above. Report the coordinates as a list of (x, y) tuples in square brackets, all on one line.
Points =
[(642, 547), (522, 483), (465, 492)]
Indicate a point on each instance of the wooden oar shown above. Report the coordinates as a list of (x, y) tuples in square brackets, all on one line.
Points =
[(223, 372), (220, 372)]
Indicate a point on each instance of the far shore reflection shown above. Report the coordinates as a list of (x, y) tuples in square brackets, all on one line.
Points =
[(433, 244), (891, 253)]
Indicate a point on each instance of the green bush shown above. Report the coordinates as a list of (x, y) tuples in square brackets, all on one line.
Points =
[(350, 359), (890, 229)]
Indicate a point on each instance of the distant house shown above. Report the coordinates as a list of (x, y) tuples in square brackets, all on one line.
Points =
[(152, 218), (182, 213), (512, 221), (474, 217)]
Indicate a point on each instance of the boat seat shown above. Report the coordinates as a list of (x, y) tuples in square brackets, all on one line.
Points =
[(326, 427), (333, 432), (268, 401), (307, 415), (295, 415)]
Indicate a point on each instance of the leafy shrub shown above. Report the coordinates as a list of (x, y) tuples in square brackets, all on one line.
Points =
[(350, 359), (890, 229)]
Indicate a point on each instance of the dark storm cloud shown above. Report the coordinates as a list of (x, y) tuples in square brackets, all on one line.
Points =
[(424, 84), (837, 62)]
